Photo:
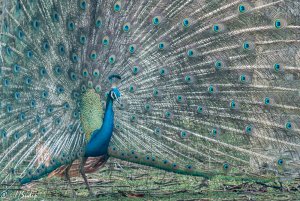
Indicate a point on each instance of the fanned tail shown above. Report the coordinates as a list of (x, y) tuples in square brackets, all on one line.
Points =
[(208, 87)]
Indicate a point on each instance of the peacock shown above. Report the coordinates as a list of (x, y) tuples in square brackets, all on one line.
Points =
[(194, 87)]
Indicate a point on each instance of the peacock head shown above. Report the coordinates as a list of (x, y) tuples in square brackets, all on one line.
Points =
[(114, 92)]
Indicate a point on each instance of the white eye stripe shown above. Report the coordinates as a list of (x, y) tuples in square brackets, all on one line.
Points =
[(113, 95)]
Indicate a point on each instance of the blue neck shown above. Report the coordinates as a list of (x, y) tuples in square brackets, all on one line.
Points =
[(100, 139)]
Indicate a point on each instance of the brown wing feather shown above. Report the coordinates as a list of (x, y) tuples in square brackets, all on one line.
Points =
[(92, 165)]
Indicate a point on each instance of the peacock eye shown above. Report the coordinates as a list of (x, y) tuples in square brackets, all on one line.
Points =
[(85, 73), (28, 80), (135, 70), (162, 45), (133, 118), (216, 28), (20, 34), (17, 95), (179, 98), (211, 89), (66, 105), (8, 51), (242, 8), (82, 39), (60, 89), (58, 121), (55, 16), (157, 131), (191, 53), (183, 134), (16, 135), (156, 20), (36, 24), (49, 109), (147, 107), (6, 82), (246, 45), (280, 162), (29, 135), (96, 73), (189, 167), (83, 4), (70, 25), (73, 76), (74, 58), (200, 109), (61, 49), (214, 132), (267, 101), (45, 94), (90, 84), (232, 104), (186, 22), (29, 54), (22, 116), (105, 40), (277, 67), (46, 46), (75, 114), (58, 70), (126, 27), (98, 23), (16, 68), (278, 24), (9, 108), (243, 78), (131, 88), (117, 6), (98, 88), (163, 71), (288, 125), (93, 55), (188, 79), (168, 114), (112, 59), (132, 48), (32, 103), (155, 92), (248, 129), (218, 65), (226, 166), (43, 130), (70, 127)]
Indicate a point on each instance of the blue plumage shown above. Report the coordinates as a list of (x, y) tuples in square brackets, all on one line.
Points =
[(100, 139)]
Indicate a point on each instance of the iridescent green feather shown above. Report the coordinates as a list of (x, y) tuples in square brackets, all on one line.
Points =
[(91, 112)]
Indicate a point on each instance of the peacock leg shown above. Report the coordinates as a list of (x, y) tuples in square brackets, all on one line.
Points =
[(67, 176), (82, 172)]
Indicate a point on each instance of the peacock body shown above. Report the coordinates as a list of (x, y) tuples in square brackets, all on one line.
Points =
[(206, 88)]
